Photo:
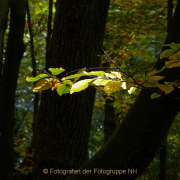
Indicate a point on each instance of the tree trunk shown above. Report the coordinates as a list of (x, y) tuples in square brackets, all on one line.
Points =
[(110, 119), (4, 9), (135, 142), (14, 53), (63, 125), (163, 150)]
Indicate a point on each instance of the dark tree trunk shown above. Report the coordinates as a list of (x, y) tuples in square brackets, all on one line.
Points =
[(4, 9), (63, 125), (14, 54), (163, 150), (136, 140), (110, 119)]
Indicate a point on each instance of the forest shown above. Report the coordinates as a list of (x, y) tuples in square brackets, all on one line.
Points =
[(89, 90)]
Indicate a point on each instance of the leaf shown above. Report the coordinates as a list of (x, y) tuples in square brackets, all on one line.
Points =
[(175, 56), (74, 76), (117, 74), (112, 86), (155, 95), (152, 72), (154, 78), (176, 83), (43, 84), (101, 82), (123, 65), (131, 90), (173, 45), (114, 75), (128, 84), (149, 79), (99, 88), (80, 85), (97, 73), (150, 84), (167, 88), (56, 85), (68, 82), (169, 52), (37, 78), (175, 64), (56, 71), (109, 75), (63, 90)]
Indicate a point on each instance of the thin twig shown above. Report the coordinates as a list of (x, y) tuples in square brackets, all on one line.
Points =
[(95, 68)]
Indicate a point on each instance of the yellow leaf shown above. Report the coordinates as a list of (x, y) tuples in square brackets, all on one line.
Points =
[(100, 82), (131, 90), (149, 79), (152, 72), (175, 56), (43, 84), (175, 64), (117, 74), (154, 78), (56, 85), (167, 88), (112, 86), (128, 84), (114, 74)]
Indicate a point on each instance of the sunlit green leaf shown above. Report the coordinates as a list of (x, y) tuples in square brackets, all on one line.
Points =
[(74, 76), (97, 73), (56, 71), (63, 90), (34, 79), (101, 82), (80, 85)]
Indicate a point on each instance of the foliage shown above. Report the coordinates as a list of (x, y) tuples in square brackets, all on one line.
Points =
[(113, 81)]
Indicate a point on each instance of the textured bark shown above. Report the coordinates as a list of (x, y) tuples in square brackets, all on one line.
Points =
[(110, 119), (136, 140), (14, 53), (64, 122)]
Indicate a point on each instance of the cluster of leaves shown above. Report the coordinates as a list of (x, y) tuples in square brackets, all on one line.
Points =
[(113, 81)]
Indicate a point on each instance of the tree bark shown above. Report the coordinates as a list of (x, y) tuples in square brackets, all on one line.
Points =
[(4, 9), (163, 150), (63, 125), (110, 120), (14, 53), (135, 142)]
